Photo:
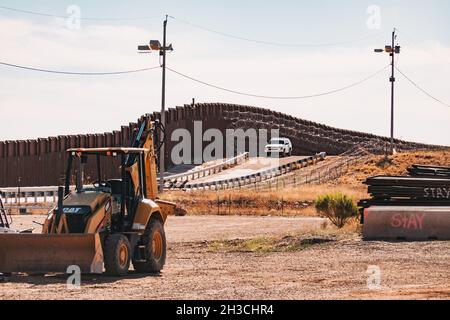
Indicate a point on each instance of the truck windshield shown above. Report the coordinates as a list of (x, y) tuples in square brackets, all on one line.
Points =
[(277, 141)]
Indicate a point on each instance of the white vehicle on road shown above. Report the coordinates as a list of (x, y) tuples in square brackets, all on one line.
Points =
[(279, 146)]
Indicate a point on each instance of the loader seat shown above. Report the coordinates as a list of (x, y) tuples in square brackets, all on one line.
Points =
[(116, 192), (116, 186)]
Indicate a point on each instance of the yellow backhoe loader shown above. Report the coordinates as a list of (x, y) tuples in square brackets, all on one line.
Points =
[(104, 225)]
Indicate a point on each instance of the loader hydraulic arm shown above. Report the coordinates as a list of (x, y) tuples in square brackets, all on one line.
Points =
[(144, 138)]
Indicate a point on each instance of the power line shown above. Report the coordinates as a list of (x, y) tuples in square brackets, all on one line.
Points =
[(81, 18), (279, 97), (78, 73), (280, 44), (414, 41), (420, 88), (193, 25)]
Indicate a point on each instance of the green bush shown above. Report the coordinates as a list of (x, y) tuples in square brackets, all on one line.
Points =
[(337, 207)]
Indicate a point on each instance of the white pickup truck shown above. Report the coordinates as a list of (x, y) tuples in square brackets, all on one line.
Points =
[(280, 146)]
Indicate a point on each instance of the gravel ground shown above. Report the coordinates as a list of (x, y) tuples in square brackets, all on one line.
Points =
[(335, 270)]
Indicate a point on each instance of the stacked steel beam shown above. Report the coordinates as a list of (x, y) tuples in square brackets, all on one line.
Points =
[(414, 207), (427, 171)]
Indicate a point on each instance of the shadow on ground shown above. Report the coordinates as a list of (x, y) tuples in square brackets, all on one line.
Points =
[(61, 278)]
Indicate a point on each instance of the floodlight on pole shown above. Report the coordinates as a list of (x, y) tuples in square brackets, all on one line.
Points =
[(155, 45)]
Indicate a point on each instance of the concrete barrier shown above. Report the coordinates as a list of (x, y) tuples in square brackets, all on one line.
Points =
[(413, 223)]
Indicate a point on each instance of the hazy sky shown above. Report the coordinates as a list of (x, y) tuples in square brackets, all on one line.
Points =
[(36, 104)]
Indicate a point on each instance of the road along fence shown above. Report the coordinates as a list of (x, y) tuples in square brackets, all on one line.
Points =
[(320, 173), (256, 177), (179, 180)]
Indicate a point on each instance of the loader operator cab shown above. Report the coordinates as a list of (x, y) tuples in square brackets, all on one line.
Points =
[(122, 192)]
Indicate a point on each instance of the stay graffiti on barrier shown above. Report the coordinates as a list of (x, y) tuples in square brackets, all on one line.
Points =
[(437, 193), (411, 221)]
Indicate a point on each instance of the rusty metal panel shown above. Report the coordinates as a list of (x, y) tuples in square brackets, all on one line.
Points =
[(82, 140), (133, 127), (63, 143), (22, 148), (53, 142), (99, 140), (202, 111), (189, 112), (221, 110), (170, 116), (179, 111), (117, 138), (28, 148), (11, 148), (72, 140), (209, 110), (125, 135), (90, 143), (109, 139)]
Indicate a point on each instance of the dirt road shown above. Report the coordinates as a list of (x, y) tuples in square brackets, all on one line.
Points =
[(335, 270)]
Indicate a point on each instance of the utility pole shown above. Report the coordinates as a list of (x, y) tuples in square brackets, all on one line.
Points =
[(155, 45), (163, 110), (392, 49), (392, 79)]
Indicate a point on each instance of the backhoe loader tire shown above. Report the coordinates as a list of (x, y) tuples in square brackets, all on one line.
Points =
[(154, 239), (117, 255)]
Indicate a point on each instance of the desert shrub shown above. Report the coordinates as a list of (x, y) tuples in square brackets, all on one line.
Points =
[(338, 208)]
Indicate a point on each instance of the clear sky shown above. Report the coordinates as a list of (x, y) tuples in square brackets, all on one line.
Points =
[(36, 104)]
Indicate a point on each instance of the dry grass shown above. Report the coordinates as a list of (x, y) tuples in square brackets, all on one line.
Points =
[(395, 165), (299, 201)]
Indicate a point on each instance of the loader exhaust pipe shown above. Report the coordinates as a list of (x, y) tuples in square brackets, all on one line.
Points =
[(60, 199)]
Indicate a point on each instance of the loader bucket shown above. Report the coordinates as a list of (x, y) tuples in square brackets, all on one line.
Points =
[(44, 253), (406, 223)]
